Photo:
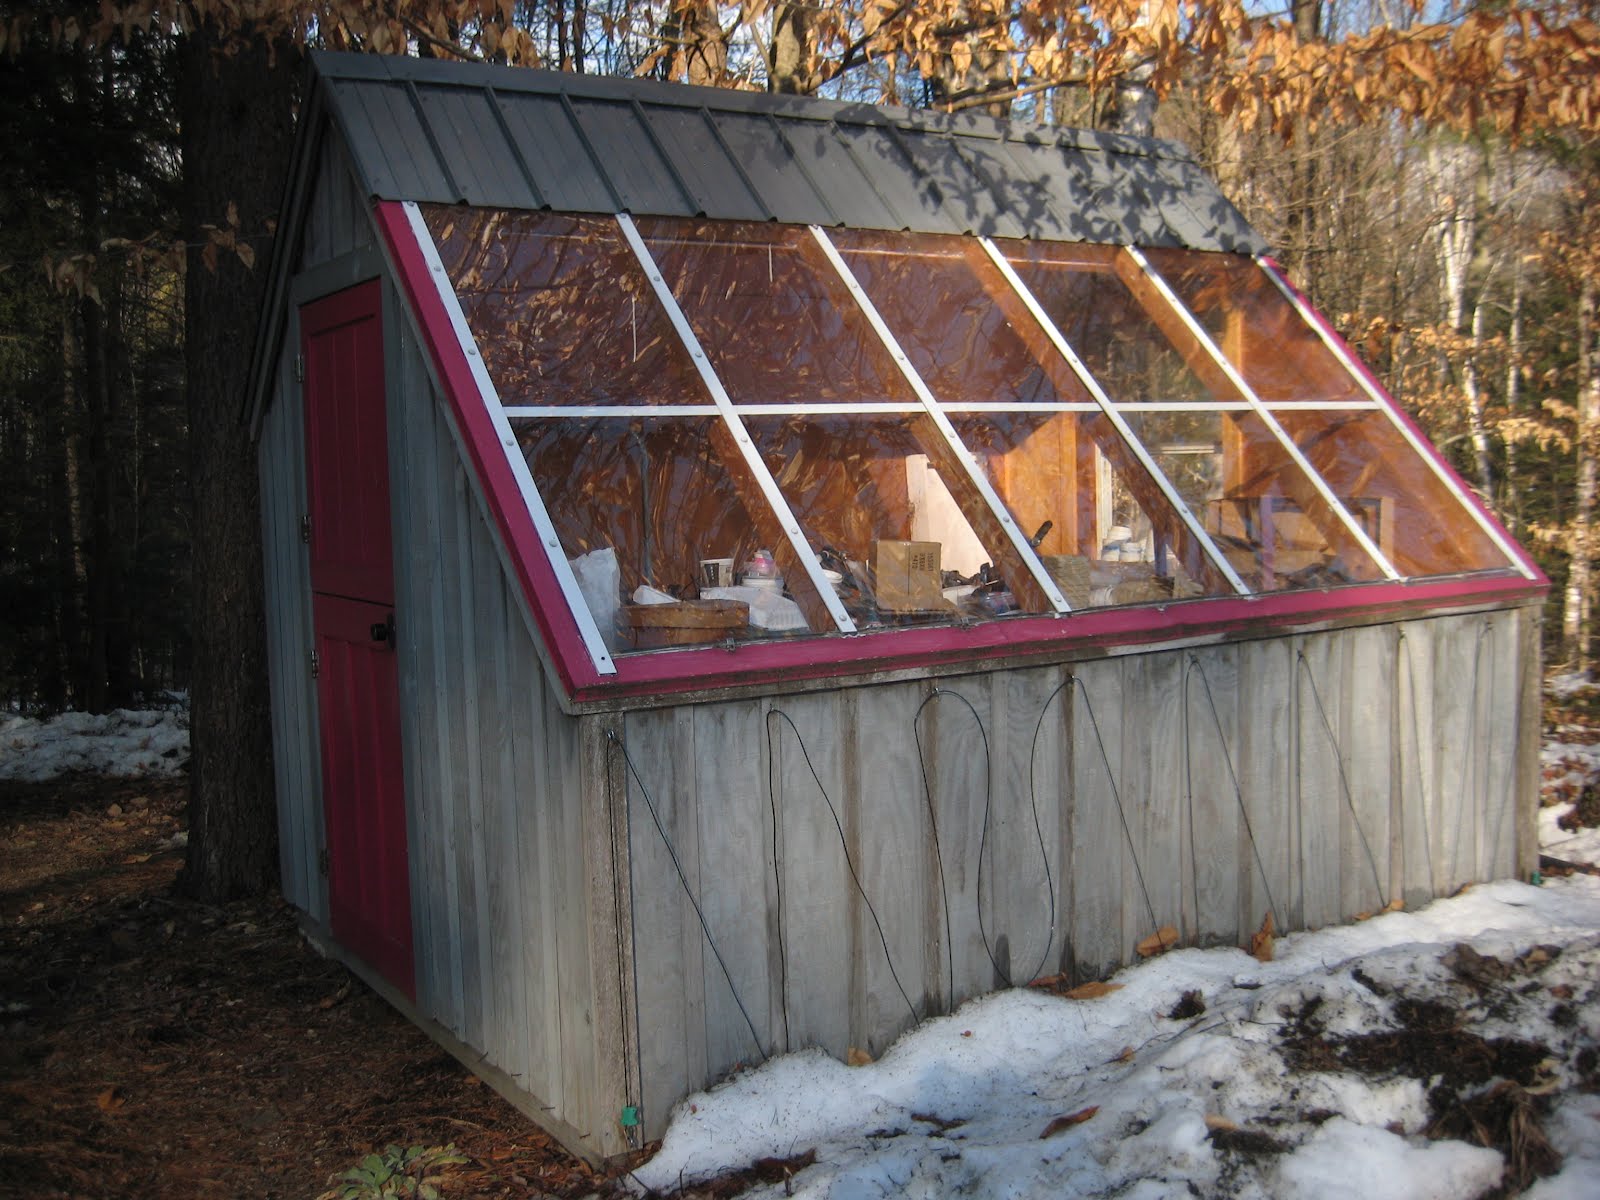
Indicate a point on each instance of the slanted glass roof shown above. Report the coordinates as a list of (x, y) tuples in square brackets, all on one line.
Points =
[(745, 431)]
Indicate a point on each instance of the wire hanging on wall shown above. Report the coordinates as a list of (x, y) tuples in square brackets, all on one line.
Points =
[(1116, 795), (1001, 973), (1304, 665), (1194, 664), (1416, 741), (849, 863), (683, 879)]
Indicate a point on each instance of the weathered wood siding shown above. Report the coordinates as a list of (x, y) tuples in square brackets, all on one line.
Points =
[(296, 761), (336, 226), (804, 872), (512, 890), (507, 912)]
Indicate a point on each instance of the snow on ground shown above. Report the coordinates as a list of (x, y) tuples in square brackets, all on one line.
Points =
[(1221, 1104), (1579, 846), (121, 743)]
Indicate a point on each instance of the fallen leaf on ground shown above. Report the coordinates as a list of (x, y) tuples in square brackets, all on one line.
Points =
[(1159, 942), (329, 1001), (1068, 1121), (1261, 940), (1092, 991), (111, 1099), (857, 1058), (1215, 1122)]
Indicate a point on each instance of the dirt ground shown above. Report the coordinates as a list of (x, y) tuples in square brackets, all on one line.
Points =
[(153, 1047)]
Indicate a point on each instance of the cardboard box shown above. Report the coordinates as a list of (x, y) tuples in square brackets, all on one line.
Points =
[(908, 576)]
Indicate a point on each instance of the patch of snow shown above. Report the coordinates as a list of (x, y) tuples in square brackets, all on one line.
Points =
[(1345, 1160), (1574, 1130), (123, 743), (1570, 685), (964, 1104), (1582, 846)]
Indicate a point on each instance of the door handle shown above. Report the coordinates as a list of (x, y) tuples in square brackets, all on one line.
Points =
[(384, 631)]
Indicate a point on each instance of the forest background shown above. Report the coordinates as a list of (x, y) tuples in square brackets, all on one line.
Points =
[(1429, 173)]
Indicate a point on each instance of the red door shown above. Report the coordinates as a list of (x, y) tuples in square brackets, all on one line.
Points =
[(352, 589)]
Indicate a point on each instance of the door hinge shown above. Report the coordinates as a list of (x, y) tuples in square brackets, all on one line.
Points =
[(316, 664), (305, 528), (322, 861), (299, 368)]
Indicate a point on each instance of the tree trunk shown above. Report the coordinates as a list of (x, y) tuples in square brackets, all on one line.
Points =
[(792, 49), (1576, 610), (237, 122)]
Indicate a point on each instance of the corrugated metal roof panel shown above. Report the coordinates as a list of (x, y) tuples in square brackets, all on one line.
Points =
[(914, 199), (1225, 225), (563, 170), (515, 138), (702, 162), (377, 119), (832, 170), (640, 175), (768, 162), (475, 147), (967, 200)]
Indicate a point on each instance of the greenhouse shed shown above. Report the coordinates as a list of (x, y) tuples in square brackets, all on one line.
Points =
[(750, 572)]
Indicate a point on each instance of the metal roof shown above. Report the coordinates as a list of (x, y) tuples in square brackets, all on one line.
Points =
[(511, 137)]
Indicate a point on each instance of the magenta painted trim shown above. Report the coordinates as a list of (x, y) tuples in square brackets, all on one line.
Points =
[(684, 672), (689, 671), (1400, 414), (532, 564)]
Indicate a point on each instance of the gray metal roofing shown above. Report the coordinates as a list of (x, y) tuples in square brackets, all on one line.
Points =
[(510, 137)]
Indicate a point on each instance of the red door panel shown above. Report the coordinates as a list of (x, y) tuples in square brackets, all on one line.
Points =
[(346, 447), (352, 586), (369, 895)]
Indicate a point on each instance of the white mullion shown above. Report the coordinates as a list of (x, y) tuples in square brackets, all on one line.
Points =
[(1386, 405), (585, 411), (1109, 409), (1019, 540), (741, 436), (588, 630), (1271, 422)]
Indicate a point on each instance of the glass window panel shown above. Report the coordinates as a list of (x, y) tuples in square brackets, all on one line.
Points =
[(965, 331), (774, 319), (1262, 334), (1128, 336), (561, 310), (862, 488), (1420, 524), (1106, 533), (653, 491), (1258, 506)]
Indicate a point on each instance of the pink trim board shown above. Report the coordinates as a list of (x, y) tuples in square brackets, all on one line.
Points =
[(1020, 639), (534, 570), (1463, 489)]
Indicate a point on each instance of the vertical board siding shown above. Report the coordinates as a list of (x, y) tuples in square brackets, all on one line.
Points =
[(295, 750), (499, 865), (1196, 788), (336, 224)]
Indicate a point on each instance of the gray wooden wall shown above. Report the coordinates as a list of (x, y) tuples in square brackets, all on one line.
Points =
[(511, 884), (1372, 764), (337, 227)]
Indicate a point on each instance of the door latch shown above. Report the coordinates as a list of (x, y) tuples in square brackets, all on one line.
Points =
[(384, 631)]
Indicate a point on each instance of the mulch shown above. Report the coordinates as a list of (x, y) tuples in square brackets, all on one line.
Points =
[(155, 1047)]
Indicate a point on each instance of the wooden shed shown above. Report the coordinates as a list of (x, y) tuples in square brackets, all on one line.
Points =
[(749, 572)]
